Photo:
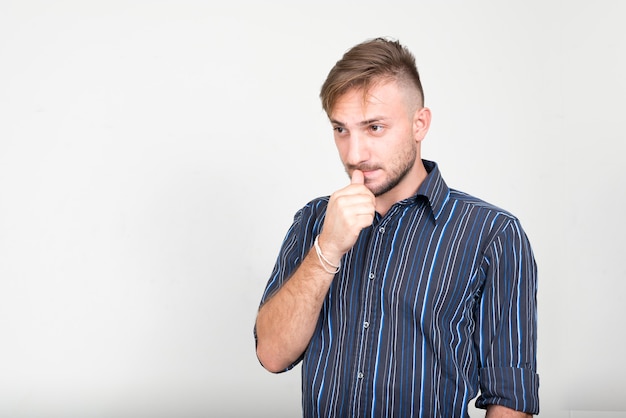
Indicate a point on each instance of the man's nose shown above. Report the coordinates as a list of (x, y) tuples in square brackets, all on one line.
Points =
[(358, 151)]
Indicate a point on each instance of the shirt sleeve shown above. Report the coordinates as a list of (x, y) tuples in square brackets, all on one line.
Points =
[(506, 334), (289, 257)]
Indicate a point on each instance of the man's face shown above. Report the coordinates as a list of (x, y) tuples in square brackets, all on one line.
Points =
[(374, 134)]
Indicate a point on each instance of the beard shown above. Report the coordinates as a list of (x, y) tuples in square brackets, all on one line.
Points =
[(397, 170)]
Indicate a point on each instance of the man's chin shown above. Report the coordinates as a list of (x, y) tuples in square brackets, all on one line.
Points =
[(378, 189)]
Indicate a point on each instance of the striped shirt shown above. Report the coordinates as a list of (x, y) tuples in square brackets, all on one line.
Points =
[(434, 304)]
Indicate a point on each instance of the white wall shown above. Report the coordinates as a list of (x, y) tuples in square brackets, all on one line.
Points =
[(153, 153)]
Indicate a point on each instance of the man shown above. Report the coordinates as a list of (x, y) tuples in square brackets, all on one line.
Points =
[(401, 297)]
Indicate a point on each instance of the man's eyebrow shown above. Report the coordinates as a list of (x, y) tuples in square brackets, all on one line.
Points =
[(377, 119), (362, 123)]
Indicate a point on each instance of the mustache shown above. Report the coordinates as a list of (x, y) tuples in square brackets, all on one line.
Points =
[(362, 167)]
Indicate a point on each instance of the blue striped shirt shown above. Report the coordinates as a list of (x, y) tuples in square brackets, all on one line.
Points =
[(434, 304)]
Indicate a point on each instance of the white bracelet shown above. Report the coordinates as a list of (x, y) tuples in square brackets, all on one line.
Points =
[(324, 260)]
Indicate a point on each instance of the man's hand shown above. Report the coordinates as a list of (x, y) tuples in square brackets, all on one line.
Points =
[(349, 211), (497, 411)]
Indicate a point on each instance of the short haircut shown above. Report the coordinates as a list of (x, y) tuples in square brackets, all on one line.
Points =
[(368, 63)]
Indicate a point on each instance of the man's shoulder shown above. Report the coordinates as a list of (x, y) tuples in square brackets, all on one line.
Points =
[(318, 203), (480, 206), (314, 208)]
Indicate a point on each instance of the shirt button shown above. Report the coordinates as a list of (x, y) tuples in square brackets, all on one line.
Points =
[(381, 229), (371, 276), (366, 325), (359, 375)]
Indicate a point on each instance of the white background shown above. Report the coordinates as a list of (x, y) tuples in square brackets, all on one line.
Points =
[(152, 155)]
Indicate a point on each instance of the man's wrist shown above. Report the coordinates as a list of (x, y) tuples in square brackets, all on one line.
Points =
[(326, 264)]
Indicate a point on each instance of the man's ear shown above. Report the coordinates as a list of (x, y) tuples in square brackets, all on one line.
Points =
[(421, 123)]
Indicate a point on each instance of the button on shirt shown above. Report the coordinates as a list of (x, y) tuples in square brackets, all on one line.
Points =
[(434, 304)]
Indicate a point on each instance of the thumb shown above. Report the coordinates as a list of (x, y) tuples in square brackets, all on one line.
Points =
[(357, 177)]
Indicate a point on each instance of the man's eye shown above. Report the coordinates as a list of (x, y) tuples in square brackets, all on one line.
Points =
[(376, 128), (339, 129)]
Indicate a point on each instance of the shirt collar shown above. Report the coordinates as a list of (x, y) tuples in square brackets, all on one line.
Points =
[(434, 189)]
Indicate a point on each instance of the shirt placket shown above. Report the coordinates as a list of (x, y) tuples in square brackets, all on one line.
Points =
[(369, 319)]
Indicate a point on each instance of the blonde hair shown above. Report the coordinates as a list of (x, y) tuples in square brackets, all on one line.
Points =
[(369, 63)]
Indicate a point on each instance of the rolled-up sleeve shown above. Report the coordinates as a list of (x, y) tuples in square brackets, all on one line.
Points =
[(506, 336)]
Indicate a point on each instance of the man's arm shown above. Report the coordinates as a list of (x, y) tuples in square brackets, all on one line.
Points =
[(286, 322), (498, 411), (507, 324)]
